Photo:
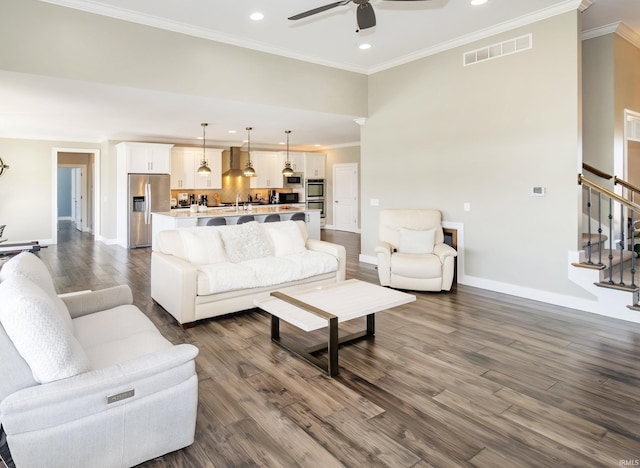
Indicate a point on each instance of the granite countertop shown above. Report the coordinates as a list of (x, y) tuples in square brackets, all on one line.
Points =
[(212, 212)]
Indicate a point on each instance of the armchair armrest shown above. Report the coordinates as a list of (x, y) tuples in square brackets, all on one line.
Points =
[(443, 251), (88, 302), (56, 403), (336, 250), (383, 248)]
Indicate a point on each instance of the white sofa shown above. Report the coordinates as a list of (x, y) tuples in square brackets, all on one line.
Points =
[(87, 379), (208, 271)]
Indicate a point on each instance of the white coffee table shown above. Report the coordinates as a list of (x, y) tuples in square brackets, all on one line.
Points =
[(325, 306)]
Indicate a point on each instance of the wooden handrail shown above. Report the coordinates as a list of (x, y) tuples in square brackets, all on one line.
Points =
[(614, 196), (595, 171), (625, 184)]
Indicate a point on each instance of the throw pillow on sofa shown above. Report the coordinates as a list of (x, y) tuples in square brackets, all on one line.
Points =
[(285, 237), (244, 242), (36, 329), (203, 245)]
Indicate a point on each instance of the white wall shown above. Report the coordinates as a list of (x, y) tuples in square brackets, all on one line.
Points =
[(440, 135)]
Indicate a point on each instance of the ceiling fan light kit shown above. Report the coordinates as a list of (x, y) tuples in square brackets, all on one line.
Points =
[(365, 16)]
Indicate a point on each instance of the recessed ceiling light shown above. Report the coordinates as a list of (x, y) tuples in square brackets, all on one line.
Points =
[(232, 131), (257, 16), (365, 46), (318, 146), (478, 2), (281, 143)]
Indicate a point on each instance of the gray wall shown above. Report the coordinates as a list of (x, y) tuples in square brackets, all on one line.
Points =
[(440, 135)]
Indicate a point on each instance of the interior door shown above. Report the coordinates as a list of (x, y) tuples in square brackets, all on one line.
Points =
[(345, 197)]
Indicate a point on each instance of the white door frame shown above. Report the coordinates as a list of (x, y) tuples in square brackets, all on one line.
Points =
[(54, 188)]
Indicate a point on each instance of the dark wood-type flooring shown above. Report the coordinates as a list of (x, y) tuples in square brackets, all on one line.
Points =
[(471, 378)]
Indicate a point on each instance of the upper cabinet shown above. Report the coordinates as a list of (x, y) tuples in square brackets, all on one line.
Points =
[(296, 159), (315, 165), (185, 162), (145, 158), (214, 160), (268, 166)]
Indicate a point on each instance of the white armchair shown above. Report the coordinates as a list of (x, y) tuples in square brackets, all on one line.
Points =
[(411, 251)]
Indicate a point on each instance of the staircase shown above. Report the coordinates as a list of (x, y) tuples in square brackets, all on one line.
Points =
[(607, 265)]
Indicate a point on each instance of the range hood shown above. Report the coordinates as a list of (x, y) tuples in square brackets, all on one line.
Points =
[(234, 163)]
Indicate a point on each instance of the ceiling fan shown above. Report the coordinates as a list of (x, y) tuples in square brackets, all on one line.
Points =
[(364, 14)]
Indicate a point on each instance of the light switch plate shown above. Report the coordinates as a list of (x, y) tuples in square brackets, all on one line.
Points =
[(374, 202)]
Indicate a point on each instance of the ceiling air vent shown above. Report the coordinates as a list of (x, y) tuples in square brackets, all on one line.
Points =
[(512, 46)]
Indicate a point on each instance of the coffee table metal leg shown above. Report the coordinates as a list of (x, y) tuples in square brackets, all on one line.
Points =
[(275, 328), (332, 358), (371, 324)]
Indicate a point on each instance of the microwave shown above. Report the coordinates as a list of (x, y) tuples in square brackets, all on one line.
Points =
[(296, 180), (288, 197)]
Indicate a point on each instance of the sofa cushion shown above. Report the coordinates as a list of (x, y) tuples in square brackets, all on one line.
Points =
[(244, 242), (202, 245), (416, 265), (416, 242), (268, 271), (38, 332), (285, 237), (117, 335), (28, 265)]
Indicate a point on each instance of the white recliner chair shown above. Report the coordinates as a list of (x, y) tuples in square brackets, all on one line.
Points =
[(411, 251)]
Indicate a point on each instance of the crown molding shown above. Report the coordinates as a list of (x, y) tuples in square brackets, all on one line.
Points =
[(91, 6), (620, 28)]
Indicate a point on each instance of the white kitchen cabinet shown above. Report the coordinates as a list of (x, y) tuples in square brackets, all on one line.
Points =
[(182, 171), (213, 180), (296, 159), (315, 165), (268, 166), (185, 162), (145, 158)]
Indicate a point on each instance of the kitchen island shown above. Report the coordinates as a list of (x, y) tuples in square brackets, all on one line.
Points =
[(185, 218)]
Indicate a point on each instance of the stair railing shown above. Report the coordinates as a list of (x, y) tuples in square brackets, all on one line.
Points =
[(623, 203)]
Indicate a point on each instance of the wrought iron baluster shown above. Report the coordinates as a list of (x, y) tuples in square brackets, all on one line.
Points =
[(610, 216), (589, 262), (621, 245), (599, 228)]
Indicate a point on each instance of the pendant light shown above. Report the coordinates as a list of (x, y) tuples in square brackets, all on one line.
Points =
[(287, 171), (204, 169), (249, 171)]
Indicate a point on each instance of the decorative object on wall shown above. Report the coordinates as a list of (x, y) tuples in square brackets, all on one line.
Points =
[(249, 171), (204, 170), (3, 167), (287, 171), (365, 16)]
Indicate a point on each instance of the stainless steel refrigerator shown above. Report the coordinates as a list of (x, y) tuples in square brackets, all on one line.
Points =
[(147, 193)]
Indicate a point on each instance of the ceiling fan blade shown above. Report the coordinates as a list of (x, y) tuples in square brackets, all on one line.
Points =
[(319, 10), (365, 16)]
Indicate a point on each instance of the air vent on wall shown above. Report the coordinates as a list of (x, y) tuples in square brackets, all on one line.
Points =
[(633, 128), (512, 46)]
